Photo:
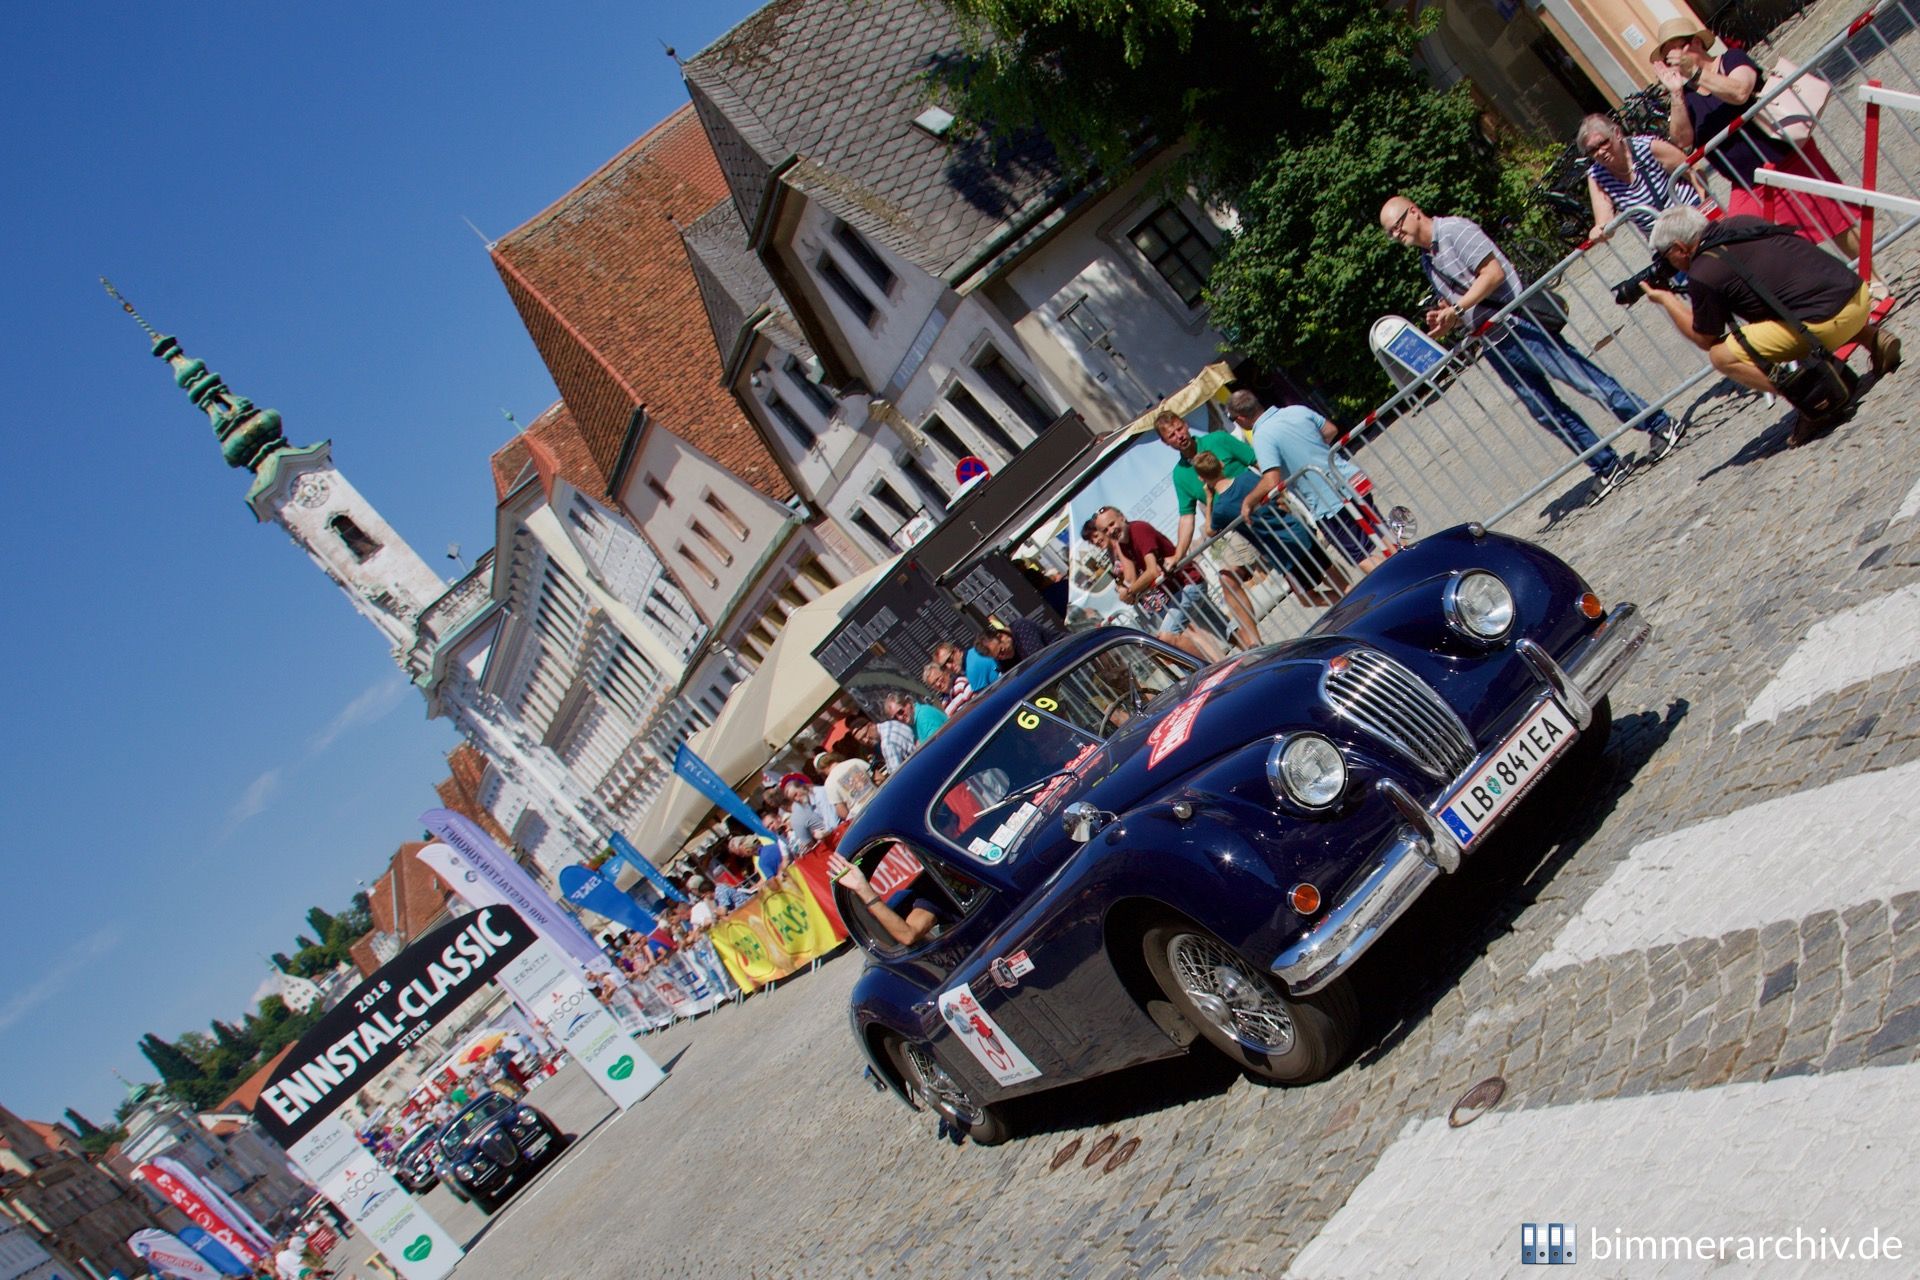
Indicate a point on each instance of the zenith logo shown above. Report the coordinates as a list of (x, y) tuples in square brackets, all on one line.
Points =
[(1547, 1244)]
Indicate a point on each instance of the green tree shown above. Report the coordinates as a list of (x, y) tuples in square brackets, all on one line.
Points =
[(1303, 116), (235, 1040), (80, 1125), (321, 922), (197, 1045), (281, 961), (175, 1067)]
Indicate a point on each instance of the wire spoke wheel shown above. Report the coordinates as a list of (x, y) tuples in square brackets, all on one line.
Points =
[(1239, 1002), (941, 1091)]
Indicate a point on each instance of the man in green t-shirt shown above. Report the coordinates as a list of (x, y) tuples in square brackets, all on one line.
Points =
[(1235, 455)]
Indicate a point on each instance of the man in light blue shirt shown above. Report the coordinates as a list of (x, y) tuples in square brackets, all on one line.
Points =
[(1288, 439)]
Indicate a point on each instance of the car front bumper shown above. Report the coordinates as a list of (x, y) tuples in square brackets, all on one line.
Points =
[(1424, 849)]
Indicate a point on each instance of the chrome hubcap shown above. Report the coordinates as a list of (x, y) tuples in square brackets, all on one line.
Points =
[(1238, 1002), (940, 1090)]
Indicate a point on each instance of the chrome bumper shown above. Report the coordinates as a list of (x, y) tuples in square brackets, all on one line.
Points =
[(1424, 848)]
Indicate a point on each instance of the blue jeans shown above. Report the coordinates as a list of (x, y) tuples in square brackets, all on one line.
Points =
[(1528, 356)]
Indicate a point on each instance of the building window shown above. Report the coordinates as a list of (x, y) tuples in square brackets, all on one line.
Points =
[(931, 494), (705, 574), (720, 553), (783, 412), (1177, 251), (725, 513), (862, 253), (936, 430), (813, 571), (889, 497), (1014, 389), (983, 422), (359, 544), (809, 388), (850, 293), (871, 527), (659, 490)]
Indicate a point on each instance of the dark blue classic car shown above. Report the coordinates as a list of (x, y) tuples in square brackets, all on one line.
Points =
[(1110, 853)]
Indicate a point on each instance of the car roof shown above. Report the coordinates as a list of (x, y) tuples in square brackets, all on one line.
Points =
[(900, 806)]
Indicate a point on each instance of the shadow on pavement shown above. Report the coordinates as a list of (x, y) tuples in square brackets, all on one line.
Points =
[(1121, 1096), (1453, 923)]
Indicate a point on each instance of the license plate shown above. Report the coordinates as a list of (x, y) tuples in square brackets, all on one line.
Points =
[(1507, 774), (538, 1145)]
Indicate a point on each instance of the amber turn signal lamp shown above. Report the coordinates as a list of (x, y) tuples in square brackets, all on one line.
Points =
[(1304, 898), (1591, 606)]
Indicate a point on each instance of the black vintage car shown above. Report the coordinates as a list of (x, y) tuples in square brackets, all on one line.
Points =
[(493, 1146), (1111, 854), (413, 1165)]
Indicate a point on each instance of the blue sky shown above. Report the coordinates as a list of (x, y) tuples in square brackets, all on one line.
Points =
[(203, 738)]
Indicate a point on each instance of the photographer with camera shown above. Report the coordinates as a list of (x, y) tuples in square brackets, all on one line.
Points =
[(1467, 269), (1733, 267)]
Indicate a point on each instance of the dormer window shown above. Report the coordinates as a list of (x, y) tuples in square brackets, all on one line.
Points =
[(850, 293), (356, 540), (864, 257), (785, 415)]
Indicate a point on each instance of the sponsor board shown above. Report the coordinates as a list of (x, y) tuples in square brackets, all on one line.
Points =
[(547, 987), (348, 1175)]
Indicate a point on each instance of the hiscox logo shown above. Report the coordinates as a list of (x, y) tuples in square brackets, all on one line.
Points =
[(1548, 1244)]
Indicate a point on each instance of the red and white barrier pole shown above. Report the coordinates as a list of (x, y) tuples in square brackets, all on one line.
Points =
[(1870, 179)]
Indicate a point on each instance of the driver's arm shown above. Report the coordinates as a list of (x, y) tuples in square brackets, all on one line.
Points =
[(906, 931)]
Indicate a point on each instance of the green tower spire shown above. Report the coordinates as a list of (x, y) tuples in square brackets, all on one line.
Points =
[(248, 436)]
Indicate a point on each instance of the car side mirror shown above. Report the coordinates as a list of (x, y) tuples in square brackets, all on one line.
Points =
[(1082, 822)]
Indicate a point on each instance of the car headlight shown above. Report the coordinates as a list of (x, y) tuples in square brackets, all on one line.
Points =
[(1479, 605), (1307, 769), (525, 1118), (464, 1169)]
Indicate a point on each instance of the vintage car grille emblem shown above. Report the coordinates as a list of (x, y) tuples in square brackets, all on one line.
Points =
[(499, 1148), (1383, 698)]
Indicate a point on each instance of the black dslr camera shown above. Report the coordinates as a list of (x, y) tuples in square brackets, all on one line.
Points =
[(1660, 274)]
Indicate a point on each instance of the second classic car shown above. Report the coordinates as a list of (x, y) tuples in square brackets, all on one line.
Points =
[(1109, 854), (493, 1146)]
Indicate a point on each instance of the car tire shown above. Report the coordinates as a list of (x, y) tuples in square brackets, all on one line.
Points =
[(457, 1191), (1244, 1012), (484, 1203), (932, 1086)]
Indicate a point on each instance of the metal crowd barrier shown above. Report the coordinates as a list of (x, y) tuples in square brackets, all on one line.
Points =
[(1458, 444)]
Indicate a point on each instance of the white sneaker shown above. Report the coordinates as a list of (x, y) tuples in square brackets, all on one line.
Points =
[(1660, 443), (1605, 482)]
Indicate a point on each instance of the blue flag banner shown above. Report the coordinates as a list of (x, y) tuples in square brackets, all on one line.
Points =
[(217, 1255), (623, 851), (596, 893), (701, 777)]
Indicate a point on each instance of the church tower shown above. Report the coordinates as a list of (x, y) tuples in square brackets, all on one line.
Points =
[(299, 489)]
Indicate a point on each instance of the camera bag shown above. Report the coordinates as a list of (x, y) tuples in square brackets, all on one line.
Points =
[(1816, 384)]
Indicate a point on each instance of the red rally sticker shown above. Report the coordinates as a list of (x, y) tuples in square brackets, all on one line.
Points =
[(1172, 733)]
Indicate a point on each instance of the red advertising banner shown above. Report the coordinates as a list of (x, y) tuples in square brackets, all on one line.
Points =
[(198, 1212)]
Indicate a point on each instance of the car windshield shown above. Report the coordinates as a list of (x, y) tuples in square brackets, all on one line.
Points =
[(1019, 772), (417, 1142), (471, 1121)]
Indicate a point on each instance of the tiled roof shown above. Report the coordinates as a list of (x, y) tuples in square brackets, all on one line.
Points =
[(420, 897), (509, 463), (603, 285), (736, 287), (835, 90), (460, 790), (559, 451), (243, 1098)]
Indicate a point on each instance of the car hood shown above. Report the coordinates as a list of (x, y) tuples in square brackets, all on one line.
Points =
[(1216, 711)]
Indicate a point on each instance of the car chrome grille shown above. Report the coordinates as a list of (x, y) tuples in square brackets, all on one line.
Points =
[(499, 1148), (1380, 697)]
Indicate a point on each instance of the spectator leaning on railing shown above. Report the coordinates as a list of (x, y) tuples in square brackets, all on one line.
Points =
[(1822, 292), (1632, 173), (1475, 281)]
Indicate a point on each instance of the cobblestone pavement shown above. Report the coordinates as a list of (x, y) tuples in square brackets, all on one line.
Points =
[(1744, 990), (765, 1155)]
